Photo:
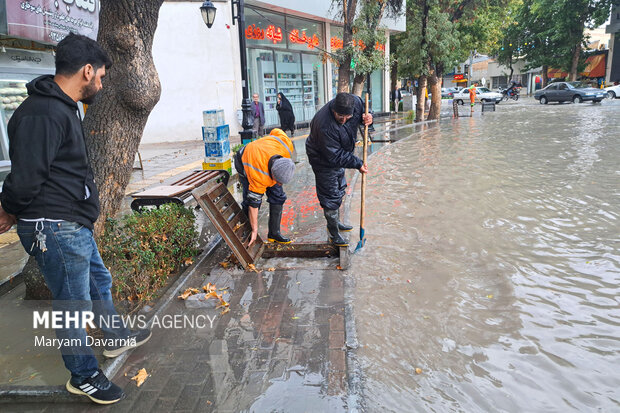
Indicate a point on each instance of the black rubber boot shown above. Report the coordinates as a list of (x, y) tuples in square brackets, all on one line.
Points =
[(331, 215), (275, 216), (344, 227)]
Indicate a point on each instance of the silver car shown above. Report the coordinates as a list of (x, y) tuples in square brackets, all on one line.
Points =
[(575, 92)]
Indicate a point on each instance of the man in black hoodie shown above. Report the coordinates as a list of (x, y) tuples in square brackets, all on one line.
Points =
[(330, 146), (51, 195)]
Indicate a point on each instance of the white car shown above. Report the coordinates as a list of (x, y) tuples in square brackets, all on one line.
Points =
[(613, 92), (483, 94)]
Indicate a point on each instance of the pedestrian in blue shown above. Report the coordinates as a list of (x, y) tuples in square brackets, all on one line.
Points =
[(51, 195)]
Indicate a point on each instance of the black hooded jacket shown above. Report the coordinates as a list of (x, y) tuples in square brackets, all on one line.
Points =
[(330, 144), (50, 171)]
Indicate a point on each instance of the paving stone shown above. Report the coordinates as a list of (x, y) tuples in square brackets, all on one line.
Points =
[(188, 398)]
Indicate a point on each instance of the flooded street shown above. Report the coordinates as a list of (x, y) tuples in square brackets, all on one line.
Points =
[(492, 264)]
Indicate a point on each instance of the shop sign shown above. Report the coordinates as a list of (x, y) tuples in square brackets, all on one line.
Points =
[(312, 41), (49, 21), (458, 77), (337, 43), (272, 33)]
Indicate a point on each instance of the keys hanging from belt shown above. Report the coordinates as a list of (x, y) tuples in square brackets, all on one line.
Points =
[(39, 240)]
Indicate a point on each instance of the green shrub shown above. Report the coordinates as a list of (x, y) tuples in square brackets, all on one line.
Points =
[(237, 147), (142, 250), (410, 116)]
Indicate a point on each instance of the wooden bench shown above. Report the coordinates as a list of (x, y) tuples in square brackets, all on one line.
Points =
[(179, 192)]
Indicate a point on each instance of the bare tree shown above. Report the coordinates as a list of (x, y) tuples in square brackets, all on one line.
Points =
[(115, 123)]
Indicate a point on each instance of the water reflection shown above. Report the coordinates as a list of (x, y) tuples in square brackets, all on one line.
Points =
[(492, 264)]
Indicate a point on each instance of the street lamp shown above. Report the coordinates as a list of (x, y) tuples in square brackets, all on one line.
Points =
[(208, 15)]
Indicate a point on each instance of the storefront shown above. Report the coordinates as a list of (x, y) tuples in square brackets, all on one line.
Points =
[(28, 32), (283, 57), (376, 77)]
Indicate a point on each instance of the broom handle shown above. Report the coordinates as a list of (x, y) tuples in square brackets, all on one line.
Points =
[(363, 206)]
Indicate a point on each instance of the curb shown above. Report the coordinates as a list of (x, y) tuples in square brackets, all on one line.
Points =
[(58, 394), (355, 376)]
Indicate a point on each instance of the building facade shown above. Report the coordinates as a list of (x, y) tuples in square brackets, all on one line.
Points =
[(286, 45)]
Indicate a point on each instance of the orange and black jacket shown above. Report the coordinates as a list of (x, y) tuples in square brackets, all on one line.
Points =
[(256, 157)]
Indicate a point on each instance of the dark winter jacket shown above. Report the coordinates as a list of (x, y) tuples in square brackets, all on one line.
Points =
[(50, 171), (287, 116), (330, 144)]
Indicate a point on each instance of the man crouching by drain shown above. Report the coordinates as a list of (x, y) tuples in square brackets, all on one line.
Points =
[(51, 195), (264, 165)]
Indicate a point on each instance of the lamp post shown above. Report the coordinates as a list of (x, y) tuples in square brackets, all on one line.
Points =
[(207, 11)]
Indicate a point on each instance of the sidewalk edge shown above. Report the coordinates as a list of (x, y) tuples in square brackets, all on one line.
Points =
[(58, 394)]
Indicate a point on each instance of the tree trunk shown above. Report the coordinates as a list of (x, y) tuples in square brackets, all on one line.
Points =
[(358, 84), (421, 98), (115, 123), (575, 62), (545, 78), (435, 82), (512, 70), (344, 70)]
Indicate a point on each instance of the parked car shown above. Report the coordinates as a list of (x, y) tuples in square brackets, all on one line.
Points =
[(613, 92), (448, 92), (482, 93), (575, 92)]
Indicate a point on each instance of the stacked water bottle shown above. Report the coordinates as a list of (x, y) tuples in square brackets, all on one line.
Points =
[(216, 137)]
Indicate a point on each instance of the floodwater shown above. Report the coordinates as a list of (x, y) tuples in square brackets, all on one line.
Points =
[(490, 279)]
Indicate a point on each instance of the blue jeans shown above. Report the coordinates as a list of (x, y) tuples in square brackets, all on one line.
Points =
[(79, 281)]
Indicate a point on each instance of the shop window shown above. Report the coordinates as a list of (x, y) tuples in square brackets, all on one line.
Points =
[(304, 34), (263, 28), (290, 82), (262, 80), (313, 85)]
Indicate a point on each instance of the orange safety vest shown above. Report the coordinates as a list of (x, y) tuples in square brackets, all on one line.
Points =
[(256, 157)]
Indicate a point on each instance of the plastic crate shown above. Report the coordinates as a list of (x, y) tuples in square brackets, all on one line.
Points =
[(220, 118), (212, 164), (217, 149), (209, 118), (216, 134)]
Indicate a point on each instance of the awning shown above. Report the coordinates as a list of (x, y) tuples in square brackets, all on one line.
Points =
[(595, 66), (556, 73)]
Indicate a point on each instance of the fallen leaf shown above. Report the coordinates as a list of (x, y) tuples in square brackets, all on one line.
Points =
[(209, 288), (188, 261), (140, 377), (209, 402), (271, 269), (188, 292), (409, 281), (381, 314), (418, 370), (224, 311), (294, 318), (338, 267), (251, 267), (225, 264), (490, 296)]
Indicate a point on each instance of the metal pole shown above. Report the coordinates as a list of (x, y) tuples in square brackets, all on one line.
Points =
[(246, 106)]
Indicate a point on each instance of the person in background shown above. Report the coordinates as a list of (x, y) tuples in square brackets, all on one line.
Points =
[(51, 195), (330, 146), (285, 111), (472, 94), (263, 166), (258, 115)]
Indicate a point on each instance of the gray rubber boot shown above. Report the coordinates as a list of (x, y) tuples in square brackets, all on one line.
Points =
[(331, 215), (275, 216)]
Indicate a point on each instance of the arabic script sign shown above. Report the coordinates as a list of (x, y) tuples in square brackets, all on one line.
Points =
[(49, 21)]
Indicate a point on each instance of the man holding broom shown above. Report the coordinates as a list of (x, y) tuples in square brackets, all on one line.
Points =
[(330, 147)]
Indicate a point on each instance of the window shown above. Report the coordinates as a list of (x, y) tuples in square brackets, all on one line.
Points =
[(263, 28), (262, 80)]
